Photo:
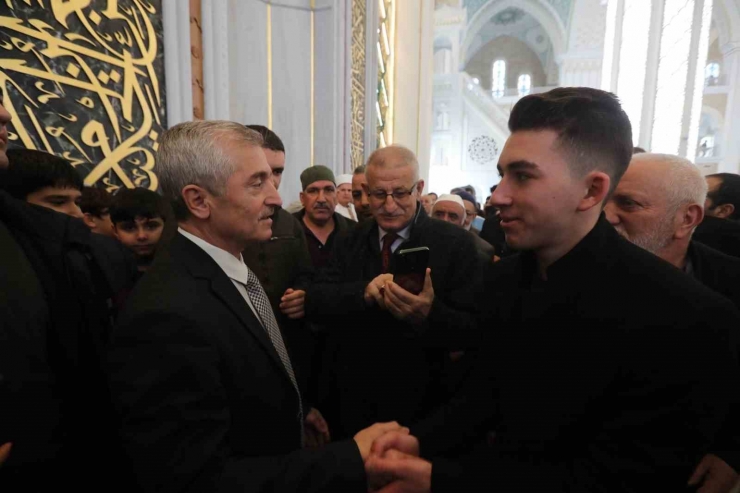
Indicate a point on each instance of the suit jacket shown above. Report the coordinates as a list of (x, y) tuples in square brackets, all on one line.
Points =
[(720, 234), (380, 368), (588, 376), (204, 401)]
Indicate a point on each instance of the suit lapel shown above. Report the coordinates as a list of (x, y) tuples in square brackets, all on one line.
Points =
[(202, 265)]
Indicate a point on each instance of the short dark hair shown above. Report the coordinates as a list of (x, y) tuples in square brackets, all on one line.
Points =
[(728, 192), (271, 140), (130, 203), (360, 170), (29, 171), (593, 129), (433, 193), (95, 201), (638, 150)]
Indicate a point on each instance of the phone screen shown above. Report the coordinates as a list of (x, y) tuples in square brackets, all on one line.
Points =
[(410, 269)]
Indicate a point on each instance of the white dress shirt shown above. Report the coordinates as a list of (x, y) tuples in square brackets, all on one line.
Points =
[(233, 267), (403, 235)]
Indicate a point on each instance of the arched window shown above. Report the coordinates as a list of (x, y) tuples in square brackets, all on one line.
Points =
[(498, 79), (524, 84), (711, 73)]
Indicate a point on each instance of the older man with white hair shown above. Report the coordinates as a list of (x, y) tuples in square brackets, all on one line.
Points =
[(657, 205), (392, 361), (198, 370), (451, 208)]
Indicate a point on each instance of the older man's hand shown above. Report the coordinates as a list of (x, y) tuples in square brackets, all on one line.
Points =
[(365, 438), (714, 475), (397, 472), (407, 306), (4, 452), (374, 290), (292, 303)]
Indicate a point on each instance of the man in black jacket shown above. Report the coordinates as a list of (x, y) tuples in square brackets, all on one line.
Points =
[(601, 352), (390, 347), (55, 318), (721, 226), (203, 385), (657, 205)]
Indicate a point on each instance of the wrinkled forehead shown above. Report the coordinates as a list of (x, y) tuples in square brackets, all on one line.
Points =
[(395, 175), (448, 207)]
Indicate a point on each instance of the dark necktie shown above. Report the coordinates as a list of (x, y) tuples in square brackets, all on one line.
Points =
[(261, 303), (385, 253)]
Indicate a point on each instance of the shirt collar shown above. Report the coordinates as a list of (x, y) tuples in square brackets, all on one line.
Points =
[(235, 268), (403, 234)]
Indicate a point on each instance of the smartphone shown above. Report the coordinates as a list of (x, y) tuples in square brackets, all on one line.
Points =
[(410, 269)]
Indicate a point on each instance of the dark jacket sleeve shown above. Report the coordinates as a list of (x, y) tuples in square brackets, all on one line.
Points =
[(453, 322), (174, 420)]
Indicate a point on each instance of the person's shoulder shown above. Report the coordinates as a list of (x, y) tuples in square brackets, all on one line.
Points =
[(652, 282)]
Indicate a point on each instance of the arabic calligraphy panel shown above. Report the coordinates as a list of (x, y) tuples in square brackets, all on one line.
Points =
[(84, 79)]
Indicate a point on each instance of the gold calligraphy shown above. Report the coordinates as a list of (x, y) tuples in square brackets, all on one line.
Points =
[(81, 80)]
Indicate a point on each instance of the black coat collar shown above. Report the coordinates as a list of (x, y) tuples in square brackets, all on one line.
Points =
[(590, 256)]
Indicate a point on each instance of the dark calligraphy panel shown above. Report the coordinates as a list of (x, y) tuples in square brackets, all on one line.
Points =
[(84, 79)]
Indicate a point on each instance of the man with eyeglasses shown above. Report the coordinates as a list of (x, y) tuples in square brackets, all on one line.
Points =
[(321, 224), (393, 358)]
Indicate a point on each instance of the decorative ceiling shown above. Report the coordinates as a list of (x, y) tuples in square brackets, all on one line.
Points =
[(562, 7)]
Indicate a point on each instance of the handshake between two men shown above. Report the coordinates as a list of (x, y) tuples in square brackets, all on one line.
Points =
[(392, 462)]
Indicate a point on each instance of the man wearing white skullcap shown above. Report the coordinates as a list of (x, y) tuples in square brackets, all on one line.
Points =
[(345, 206), (451, 208)]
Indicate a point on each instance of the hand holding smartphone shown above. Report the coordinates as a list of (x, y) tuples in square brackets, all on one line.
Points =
[(410, 269)]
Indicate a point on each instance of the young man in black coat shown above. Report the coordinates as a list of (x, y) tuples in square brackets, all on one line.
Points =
[(390, 348), (599, 352)]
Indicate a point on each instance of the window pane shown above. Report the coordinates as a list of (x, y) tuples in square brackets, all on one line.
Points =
[(525, 84), (498, 78)]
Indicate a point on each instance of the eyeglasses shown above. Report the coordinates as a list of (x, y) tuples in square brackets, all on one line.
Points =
[(398, 195)]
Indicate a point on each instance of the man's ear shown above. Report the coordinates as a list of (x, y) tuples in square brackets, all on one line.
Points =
[(724, 211), (420, 187), (597, 185), (689, 218), (197, 200), (87, 218), (115, 231)]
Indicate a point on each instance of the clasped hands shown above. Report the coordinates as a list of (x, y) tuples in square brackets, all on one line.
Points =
[(403, 305), (392, 462)]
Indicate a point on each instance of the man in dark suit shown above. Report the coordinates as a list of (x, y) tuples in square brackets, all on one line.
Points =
[(610, 370), (373, 322), (721, 226), (202, 382)]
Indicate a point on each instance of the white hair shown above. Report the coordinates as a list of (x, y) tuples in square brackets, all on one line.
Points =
[(191, 153), (394, 156), (682, 184)]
